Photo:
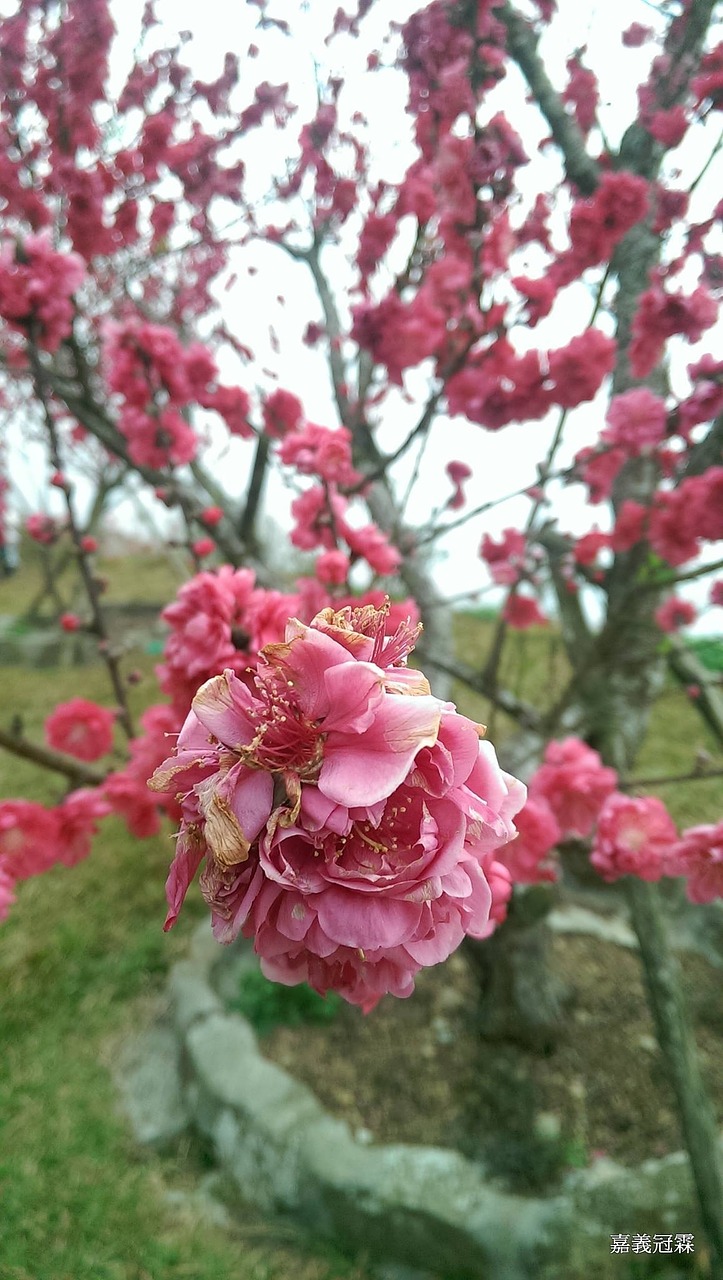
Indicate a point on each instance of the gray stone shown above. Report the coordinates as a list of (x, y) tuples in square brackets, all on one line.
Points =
[(574, 919), (191, 996), (415, 1210), (148, 1077)]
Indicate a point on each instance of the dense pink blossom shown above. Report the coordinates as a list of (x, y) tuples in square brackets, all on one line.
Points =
[(36, 288), (578, 370), (636, 421), (344, 814), (660, 315), (574, 782), (81, 728), (698, 855), (634, 836)]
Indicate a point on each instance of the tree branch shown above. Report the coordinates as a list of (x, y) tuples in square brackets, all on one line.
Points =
[(522, 45), (80, 774)]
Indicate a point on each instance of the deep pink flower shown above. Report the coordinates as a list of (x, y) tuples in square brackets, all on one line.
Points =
[(522, 612), (345, 815), (634, 837), (574, 782), (81, 728), (698, 856)]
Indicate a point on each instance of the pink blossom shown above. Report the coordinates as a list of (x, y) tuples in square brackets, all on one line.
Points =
[(698, 855), (203, 547), (675, 613), (716, 592), (128, 797), (577, 370), (77, 819), (7, 885), (522, 612), (637, 421), (506, 557), (370, 543), (499, 880), (635, 35), (629, 525), (575, 783), (37, 285), (42, 529), (588, 547), (538, 832), (332, 567), (29, 842), (660, 315), (81, 728), (282, 412), (344, 824), (634, 836), (70, 622)]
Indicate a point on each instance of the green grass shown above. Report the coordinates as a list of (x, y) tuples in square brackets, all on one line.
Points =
[(81, 956)]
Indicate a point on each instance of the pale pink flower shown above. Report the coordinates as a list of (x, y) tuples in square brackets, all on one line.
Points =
[(345, 815), (634, 837), (81, 728)]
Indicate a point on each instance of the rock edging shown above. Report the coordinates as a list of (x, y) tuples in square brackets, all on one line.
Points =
[(422, 1207)]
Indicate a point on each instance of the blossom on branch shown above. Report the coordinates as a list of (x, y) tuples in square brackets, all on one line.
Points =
[(346, 816)]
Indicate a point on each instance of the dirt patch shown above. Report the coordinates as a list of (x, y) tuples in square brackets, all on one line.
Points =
[(415, 1071)]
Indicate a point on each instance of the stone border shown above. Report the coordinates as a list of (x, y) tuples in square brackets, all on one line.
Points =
[(421, 1207)]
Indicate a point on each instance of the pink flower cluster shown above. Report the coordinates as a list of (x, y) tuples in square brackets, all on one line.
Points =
[(37, 285), (347, 818), (634, 837), (33, 838), (565, 797)]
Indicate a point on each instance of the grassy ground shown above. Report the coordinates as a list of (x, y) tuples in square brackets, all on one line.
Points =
[(83, 952)]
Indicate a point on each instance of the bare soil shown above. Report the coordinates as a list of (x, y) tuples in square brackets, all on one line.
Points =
[(416, 1071)]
